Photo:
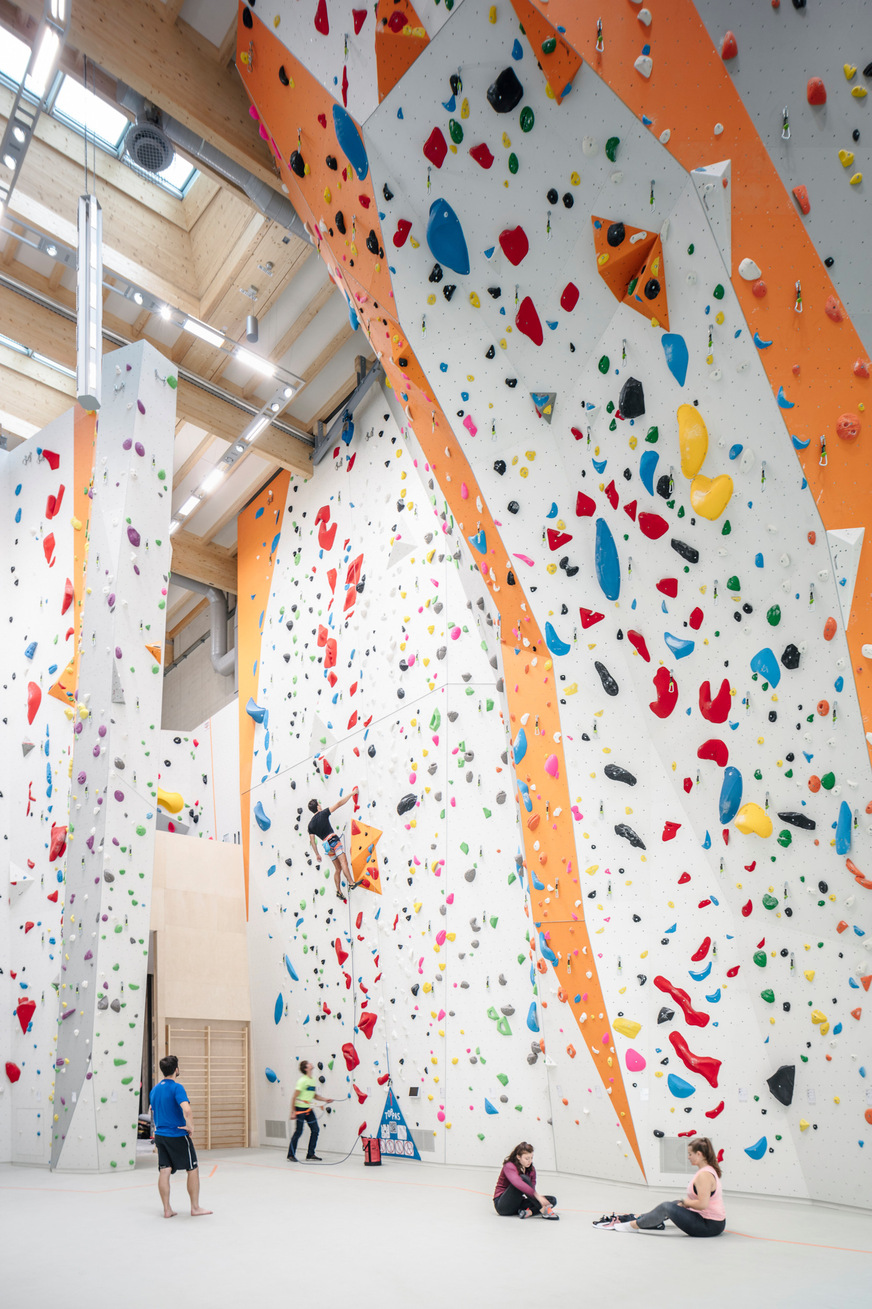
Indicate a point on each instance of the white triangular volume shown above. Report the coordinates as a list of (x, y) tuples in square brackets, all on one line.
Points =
[(319, 730), (845, 546), (400, 551), (713, 185)]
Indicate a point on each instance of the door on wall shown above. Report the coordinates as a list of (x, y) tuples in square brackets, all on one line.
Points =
[(213, 1068)]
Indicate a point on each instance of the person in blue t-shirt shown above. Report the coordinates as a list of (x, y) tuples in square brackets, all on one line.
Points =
[(171, 1133)]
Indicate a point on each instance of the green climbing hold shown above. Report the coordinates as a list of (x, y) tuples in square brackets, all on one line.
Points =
[(690, 248), (828, 781), (604, 364), (718, 292), (503, 1079), (758, 776), (768, 995), (455, 131), (612, 147), (549, 45), (773, 615), (760, 958), (733, 584), (162, 477), (527, 119), (513, 163), (769, 901), (613, 425), (726, 529), (652, 436), (784, 838), (172, 383), (464, 847)]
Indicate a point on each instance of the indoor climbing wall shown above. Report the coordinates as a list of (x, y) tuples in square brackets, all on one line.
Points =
[(93, 507), (635, 386)]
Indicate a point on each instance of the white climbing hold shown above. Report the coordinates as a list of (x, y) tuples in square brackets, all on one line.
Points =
[(589, 145), (617, 177), (749, 270), (866, 651), (664, 136), (644, 16), (719, 127), (644, 65)]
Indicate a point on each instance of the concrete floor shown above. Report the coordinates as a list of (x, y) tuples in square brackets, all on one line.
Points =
[(406, 1234)]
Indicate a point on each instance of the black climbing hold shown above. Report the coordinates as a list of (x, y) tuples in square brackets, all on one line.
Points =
[(572, 570), (823, 887), (372, 242), (829, 261), (659, 1135), (371, 752), (283, 77), (402, 362), (773, 717), (652, 289), (455, 84), (511, 382), (416, 988), (387, 192), (855, 135), (616, 234), (688, 552), (510, 578), (490, 353), (499, 466), (622, 829), (666, 1015), (781, 1083), (247, 20), (552, 197), (506, 92), (513, 506), (568, 200), (297, 163), (618, 774), (339, 220), (494, 292), (790, 657), (331, 163), (564, 562), (610, 686), (448, 290), (632, 398), (798, 820), (664, 486), (799, 4), (435, 273)]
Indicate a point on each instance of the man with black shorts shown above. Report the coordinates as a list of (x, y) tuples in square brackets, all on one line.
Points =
[(321, 835), (172, 1136)]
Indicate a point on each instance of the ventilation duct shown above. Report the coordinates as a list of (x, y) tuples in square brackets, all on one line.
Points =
[(147, 144), (223, 660), (277, 208)]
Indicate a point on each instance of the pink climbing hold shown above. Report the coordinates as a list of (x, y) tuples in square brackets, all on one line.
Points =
[(527, 321), (514, 244), (482, 155), (470, 425), (552, 766), (322, 22), (435, 148), (569, 298), (404, 227), (635, 1062)]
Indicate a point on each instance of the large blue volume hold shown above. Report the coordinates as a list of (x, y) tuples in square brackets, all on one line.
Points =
[(350, 142), (731, 794), (445, 237), (608, 570)]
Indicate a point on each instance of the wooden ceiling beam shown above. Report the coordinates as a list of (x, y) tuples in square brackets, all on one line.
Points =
[(182, 623), (199, 451), (143, 45), (233, 511), (194, 557)]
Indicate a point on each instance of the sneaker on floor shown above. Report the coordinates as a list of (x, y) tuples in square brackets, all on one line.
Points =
[(292, 1158), (624, 1227), (608, 1225), (548, 1212), (525, 1213), (316, 1158), (626, 1218), (605, 1221)]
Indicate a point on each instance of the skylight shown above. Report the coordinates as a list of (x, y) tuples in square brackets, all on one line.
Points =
[(179, 173), (87, 112), (14, 57)]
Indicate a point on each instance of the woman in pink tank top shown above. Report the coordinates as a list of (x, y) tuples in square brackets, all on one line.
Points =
[(700, 1214)]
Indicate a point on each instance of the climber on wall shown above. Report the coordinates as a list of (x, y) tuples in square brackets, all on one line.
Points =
[(320, 829), (515, 1193), (700, 1214)]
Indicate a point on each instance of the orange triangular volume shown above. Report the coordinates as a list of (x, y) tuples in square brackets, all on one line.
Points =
[(620, 252), (364, 864), (559, 65), (64, 689), (396, 48), (647, 294), (155, 652)]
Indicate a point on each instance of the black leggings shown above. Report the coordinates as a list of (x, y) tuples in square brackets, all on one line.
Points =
[(511, 1200), (690, 1221)]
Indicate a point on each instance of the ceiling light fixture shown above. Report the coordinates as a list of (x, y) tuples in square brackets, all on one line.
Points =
[(46, 60), (166, 313), (89, 303), (189, 505), (51, 250), (255, 428), (137, 297), (196, 328), (215, 478), (254, 361)]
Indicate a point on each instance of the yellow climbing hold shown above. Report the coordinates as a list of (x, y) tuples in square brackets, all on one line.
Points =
[(575, 179), (474, 300), (170, 800), (464, 108), (804, 1124), (846, 158), (855, 181), (850, 70), (710, 496), (809, 974), (492, 14), (506, 142), (692, 439), (817, 1017), (627, 1027), (751, 818), (859, 92)]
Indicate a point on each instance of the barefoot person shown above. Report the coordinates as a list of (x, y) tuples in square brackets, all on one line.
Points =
[(516, 1194), (302, 1112), (173, 1125), (320, 830), (700, 1214)]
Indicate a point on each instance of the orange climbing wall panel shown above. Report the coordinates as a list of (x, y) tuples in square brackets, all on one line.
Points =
[(396, 51), (84, 439), (561, 65)]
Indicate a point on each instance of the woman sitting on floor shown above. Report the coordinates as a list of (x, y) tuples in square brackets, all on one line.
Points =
[(701, 1214), (516, 1192)]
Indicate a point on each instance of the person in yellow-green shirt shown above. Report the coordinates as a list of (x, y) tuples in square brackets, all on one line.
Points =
[(301, 1110)]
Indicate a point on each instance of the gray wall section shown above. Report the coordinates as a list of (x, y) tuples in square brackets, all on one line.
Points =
[(192, 690)]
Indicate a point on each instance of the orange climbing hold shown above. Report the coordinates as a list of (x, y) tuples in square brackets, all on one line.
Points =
[(800, 195)]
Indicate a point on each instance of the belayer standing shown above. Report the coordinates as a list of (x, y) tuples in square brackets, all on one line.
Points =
[(301, 1110), (323, 837)]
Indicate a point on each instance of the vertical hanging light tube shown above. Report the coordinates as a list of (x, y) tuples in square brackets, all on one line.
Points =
[(89, 303)]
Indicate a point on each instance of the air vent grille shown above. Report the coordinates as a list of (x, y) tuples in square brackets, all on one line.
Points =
[(276, 1129), (148, 147)]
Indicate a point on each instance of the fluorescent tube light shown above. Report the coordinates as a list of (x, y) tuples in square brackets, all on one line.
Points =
[(254, 361), (215, 478), (46, 59), (196, 328), (255, 428), (189, 505)]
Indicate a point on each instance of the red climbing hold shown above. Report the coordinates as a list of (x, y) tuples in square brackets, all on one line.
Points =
[(715, 710), (322, 22), (667, 693), (682, 999), (715, 750), (58, 842), (653, 526), (612, 495), (48, 546), (482, 155), (366, 1023), (385, 1077), (359, 17), (816, 92), (696, 618), (800, 195), (668, 586), (637, 641), (25, 1011), (684, 879), (404, 227), (569, 298), (361, 1095), (34, 697), (833, 309), (713, 1113), (703, 950), (514, 244), (53, 460), (589, 617), (584, 506), (557, 539), (527, 321), (327, 535), (705, 1065), (670, 831), (397, 21), (688, 785), (13, 1072), (729, 48), (351, 1059), (746, 909), (53, 504), (68, 596), (630, 510), (435, 148)]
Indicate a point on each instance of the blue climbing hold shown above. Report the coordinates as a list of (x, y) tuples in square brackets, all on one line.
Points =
[(731, 794), (270, 1075), (735, 451), (675, 349), (525, 795), (489, 1108), (291, 971), (761, 344), (519, 749), (554, 643), (783, 402), (260, 817), (254, 711), (608, 570), (757, 1151), (350, 142), (546, 951), (535, 882), (679, 1088), (703, 974), (843, 828), (714, 997), (552, 512), (445, 237), (765, 663), (279, 1009), (679, 645), (799, 444), (30, 651), (532, 1020), (517, 50), (479, 540), (647, 465), (599, 465)]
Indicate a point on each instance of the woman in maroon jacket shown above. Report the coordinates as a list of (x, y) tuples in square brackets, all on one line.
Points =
[(516, 1192)]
